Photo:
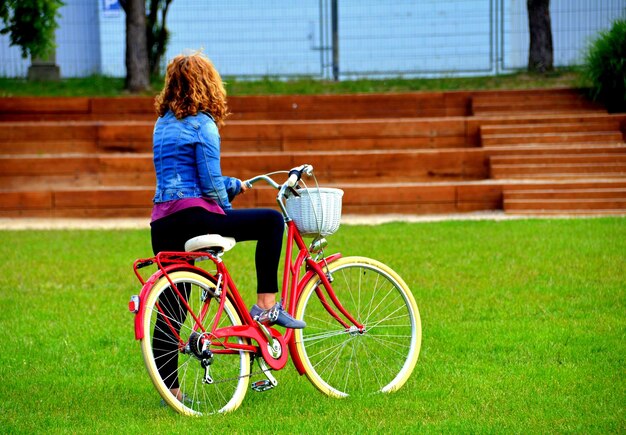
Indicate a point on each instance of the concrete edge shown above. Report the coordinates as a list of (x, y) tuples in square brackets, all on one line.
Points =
[(11, 224)]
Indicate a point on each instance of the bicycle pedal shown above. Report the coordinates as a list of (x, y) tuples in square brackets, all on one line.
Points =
[(262, 385)]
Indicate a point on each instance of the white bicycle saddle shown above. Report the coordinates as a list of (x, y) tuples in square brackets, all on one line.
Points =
[(210, 242)]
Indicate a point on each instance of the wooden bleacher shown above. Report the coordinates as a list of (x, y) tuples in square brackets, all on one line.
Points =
[(533, 152)]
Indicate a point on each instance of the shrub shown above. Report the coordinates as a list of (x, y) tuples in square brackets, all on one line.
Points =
[(605, 67)]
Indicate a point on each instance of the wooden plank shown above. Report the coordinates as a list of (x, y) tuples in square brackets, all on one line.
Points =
[(479, 193), (609, 124), (532, 150), (32, 165), (547, 194), (565, 184), (123, 106), (50, 181), (564, 205), (547, 159), (48, 147), (561, 168), (43, 105), (104, 198), (557, 137), (25, 200), (36, 131), (397, 194)]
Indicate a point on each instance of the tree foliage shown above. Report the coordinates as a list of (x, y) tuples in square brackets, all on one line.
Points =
[(30, 25), (605, 67)]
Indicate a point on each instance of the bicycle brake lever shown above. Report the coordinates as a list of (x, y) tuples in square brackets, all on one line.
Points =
[(294, 192)]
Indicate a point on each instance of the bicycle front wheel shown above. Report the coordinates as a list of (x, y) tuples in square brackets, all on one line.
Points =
[(175, 349), (342, 361)]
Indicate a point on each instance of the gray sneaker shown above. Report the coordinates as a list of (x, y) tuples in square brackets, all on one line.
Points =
[(276, 316)]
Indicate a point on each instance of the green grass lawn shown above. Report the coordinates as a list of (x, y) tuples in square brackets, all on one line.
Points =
[(111, 87), (524, 331)]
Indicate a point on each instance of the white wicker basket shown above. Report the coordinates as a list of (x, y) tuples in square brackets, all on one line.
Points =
[(316, 211)]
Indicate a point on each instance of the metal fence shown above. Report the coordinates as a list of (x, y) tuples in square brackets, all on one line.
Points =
[(374, 38)]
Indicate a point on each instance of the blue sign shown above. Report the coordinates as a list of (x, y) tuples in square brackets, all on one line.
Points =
[(111, 8)]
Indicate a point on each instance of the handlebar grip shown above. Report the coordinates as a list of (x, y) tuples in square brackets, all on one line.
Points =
[(296, 174), (293, 179)]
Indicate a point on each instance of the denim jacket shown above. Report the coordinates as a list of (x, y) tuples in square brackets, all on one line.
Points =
[(187, 161)]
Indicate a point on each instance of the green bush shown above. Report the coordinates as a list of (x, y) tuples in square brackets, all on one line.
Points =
[(605, 67)]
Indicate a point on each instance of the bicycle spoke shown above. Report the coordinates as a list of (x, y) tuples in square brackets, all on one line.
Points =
[(324, 335)]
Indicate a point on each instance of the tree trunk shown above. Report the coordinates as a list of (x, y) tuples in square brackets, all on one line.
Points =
[(157, 33), (540, 55), (137, 71)]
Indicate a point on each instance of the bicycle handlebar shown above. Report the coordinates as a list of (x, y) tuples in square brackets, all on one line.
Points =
[(295, 174)]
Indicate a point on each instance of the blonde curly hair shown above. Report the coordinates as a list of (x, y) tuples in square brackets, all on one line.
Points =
[(192, 85)]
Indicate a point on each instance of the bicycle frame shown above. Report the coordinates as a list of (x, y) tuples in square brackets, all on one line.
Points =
[(292, 286)]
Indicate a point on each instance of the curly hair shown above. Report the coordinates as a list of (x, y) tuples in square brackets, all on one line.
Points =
[(192, 85)]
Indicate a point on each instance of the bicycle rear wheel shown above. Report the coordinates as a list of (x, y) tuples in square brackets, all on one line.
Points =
[(173, 347), (343, 361)]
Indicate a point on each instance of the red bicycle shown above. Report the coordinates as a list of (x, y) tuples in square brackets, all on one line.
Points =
[(363, 330)]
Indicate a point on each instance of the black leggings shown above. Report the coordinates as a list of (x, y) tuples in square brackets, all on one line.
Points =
[(263, 224), (170, 234)]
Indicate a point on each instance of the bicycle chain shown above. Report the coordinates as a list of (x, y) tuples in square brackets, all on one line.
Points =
[(259, 372), (239, 377)]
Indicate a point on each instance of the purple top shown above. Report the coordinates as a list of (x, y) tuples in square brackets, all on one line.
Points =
[(162, 209)]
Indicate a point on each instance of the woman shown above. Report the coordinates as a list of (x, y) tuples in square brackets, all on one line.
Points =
[(193, 198)]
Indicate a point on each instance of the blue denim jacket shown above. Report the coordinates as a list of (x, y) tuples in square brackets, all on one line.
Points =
[(187, 161)]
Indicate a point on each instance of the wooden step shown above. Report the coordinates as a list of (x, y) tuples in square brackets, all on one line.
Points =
[(392, 153), (552, 138), (352, 106), (608, 124), (136, 136), (524, 159), (476, 125), (416, 104), (566, 205), (533, 101), (406, 198), (567, 149), (496, 95), (583, 208), (37, 171), (579, 197), (565, 193), (578, 184), (556, 170), (520, 109)]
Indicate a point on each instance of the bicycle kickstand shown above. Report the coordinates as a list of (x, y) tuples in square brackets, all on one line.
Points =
[(264, 384)]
